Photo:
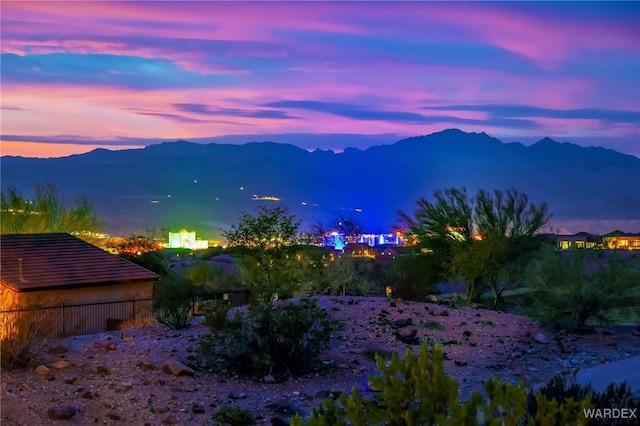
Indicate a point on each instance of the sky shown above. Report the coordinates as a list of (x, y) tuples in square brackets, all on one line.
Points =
[(76, 76)]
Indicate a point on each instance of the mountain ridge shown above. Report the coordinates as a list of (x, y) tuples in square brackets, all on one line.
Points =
[(204, 181)]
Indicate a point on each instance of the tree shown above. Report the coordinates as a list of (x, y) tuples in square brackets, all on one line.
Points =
[(347, 225), (142, 251), (47, 212), (349, 275), (268, 267), (505, 222), (572, 288)]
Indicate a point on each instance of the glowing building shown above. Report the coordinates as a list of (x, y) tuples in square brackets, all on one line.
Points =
[(186, 239)]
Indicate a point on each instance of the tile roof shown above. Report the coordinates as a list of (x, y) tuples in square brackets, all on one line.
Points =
[(59, 260)]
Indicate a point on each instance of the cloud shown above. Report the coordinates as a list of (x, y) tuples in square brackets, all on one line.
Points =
[(499, 110), (357, 112), (203, 109)]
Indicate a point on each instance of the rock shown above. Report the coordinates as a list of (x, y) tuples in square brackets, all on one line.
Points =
[(269, 379), (176, 368), (407, 334), (237, 395), (111, 346), (541, 338), (58, 349), (533, 369), (26, 387), (113, 416), (128, 339), (87, 395), (172, 421), (70, 381), (61, 365), (197, 409), (444, 313), (460, 362), (403, 322), (61, 412), (102, 370), (42, 370), (146, 366), (432, 298)]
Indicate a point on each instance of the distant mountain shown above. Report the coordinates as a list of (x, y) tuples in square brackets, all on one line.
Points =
[(206, 187)]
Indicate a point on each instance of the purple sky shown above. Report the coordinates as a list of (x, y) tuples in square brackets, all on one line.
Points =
[(79, 75)]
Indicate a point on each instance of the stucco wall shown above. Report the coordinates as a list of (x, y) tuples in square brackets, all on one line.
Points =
[(88, 310)]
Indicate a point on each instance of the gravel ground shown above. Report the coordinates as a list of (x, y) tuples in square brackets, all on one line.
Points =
[(118, 378)]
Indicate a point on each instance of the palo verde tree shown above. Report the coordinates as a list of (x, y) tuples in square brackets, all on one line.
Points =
[(268, 264), (46, 211), (506, 224)]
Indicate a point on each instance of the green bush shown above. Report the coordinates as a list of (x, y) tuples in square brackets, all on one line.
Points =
[(572, 289), (561, 390), (416, 391), (172, 301), (414, 277), (279, 339), (215, 313), (234, 416)]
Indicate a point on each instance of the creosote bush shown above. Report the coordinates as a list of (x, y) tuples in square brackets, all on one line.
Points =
[(272, 338), (172, 304), (416, 391), (234, 416), (614, 396)]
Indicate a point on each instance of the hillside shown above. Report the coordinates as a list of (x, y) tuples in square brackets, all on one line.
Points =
[(206, 187)]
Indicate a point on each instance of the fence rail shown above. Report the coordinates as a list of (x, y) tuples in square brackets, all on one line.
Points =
[(74, 319)]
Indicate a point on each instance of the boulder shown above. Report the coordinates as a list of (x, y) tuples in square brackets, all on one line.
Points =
[(61, 412), (541, 338), (42, 370), (61, 365), (407, 335), (176, 368)]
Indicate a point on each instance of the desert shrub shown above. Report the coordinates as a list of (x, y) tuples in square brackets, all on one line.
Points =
[(574, 288), (212, 277), (348, 275), (283, 338), (23, 338), (416, 391), (215, 313), (234, 416), (414, 277), (136, 323), (173, 301), (562, 390)]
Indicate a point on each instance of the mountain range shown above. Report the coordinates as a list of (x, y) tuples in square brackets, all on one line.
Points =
[(206, 187)]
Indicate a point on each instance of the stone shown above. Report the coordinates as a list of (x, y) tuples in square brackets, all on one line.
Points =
[(111, 346), (533, 369), (113, 416), (237, 395), (269, 379), (541, 338), (432, 298), (403, 322), (407, 334), (61, 365), (444, 313), (26, 387), (176, 368), (146, 366), (172, 421), (61, 412), (42, 370), (460, 362), (102, 370), (197, 409), (87, 395)]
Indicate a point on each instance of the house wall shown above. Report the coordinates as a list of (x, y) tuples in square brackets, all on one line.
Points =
[(87, 310)]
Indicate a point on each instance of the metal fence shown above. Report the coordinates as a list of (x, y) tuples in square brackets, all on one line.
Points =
[(75, 319)]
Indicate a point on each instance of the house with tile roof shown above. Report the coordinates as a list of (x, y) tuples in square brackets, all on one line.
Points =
[(58, 269)]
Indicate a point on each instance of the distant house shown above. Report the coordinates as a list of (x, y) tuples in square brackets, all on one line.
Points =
[(57, 268), (360, 250), (618, 240), (581, 240)]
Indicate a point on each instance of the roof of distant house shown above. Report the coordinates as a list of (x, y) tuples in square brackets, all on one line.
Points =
[(59, 260)]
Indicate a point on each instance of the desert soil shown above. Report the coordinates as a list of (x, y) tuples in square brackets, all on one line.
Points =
[(118, 377)]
